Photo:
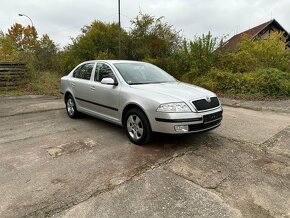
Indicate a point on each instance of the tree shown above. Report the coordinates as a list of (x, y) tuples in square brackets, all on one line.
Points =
[(202, 54), (260, 53), (22, 44), (8, 48), (46, 54), (95, 40), (197, 57), (152, 37), (25, 38), (18, 44)]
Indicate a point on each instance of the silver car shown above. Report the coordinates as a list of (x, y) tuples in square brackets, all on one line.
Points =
[(140, 97)]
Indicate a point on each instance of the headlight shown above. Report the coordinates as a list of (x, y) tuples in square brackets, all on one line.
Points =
[(178, 107)]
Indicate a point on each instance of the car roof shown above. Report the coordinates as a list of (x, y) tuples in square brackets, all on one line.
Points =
[(115, 61)]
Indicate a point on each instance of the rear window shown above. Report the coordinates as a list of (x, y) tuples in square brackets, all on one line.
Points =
[(84, 71)]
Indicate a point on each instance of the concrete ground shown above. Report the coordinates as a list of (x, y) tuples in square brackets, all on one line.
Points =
[(51, 165)]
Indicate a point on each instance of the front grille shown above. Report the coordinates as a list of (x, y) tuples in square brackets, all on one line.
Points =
[(202, 104), (212, 117), (202, 126)]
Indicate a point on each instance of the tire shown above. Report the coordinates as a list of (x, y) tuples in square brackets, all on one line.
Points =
[(71, 108), (137, 127)]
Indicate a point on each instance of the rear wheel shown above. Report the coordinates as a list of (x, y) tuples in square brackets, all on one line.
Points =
[(137, 127), (71, 107)]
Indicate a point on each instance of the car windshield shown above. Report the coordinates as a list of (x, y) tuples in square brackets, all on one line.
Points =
[(142, 73)]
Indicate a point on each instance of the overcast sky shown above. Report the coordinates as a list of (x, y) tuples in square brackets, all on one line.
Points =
[(62, 19)]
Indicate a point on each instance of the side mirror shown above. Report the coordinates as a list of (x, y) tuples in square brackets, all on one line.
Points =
[(109, 81)]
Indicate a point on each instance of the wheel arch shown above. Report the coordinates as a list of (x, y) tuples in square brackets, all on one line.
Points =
[(67, 93), (129, 107)]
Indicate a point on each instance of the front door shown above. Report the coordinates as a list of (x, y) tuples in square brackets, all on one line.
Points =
[(105, 97)]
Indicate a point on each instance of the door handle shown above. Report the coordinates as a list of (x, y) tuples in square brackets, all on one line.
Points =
[(93, 88)]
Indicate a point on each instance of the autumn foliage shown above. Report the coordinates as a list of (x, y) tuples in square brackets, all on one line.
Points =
[(258, 68), (23, 44)]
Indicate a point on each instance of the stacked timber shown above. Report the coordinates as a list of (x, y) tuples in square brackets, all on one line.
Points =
[(12, 75)]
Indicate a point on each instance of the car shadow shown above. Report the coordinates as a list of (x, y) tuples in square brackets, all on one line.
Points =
[(172, 142)]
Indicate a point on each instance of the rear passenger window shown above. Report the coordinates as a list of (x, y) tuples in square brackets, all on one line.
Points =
[(103, 71), (84, 71)]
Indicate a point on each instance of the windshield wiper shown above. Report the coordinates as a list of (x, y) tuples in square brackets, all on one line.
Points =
[(161, 82), (140, 83), (137, 83)]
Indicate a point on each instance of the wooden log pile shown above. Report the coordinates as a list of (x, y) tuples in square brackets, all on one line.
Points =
[(12, 75)]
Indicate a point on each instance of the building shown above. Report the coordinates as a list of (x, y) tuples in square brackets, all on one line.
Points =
[(261, 31)]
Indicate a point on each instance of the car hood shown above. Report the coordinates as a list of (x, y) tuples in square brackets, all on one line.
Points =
[(176, 91)]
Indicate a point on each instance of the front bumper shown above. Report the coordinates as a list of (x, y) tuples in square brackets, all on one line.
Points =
[(180, 123)]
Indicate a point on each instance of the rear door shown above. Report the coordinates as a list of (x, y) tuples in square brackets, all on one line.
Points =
[(80, 84)]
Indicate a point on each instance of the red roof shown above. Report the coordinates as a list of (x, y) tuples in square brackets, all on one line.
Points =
[(232, 43)]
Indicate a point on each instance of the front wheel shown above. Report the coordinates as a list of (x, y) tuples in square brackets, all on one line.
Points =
[(71, 108), (137, 127)]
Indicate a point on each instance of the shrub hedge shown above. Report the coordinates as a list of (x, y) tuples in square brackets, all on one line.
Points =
[(261, 83)]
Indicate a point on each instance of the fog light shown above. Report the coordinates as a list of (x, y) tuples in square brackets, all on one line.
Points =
[(183, 128)]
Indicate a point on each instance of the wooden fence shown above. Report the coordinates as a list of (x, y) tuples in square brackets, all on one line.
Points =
[(12, 75)]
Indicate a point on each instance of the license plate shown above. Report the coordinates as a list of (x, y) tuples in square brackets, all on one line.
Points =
[(212, 117)]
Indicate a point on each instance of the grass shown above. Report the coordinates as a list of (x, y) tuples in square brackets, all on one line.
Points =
[(12, 93), (44, 83), (38, 83)]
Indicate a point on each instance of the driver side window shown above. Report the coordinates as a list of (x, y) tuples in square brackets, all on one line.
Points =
[(103, 71)]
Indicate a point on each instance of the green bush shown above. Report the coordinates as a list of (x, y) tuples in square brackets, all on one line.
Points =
[(256, 68), (43, 83), (256, 54), (167, 64), (263, 83)]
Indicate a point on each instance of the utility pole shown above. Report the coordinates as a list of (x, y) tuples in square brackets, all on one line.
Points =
[(119, 13)]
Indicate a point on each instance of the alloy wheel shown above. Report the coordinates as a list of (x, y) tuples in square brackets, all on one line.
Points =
[(70, 107), (135, 127)]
